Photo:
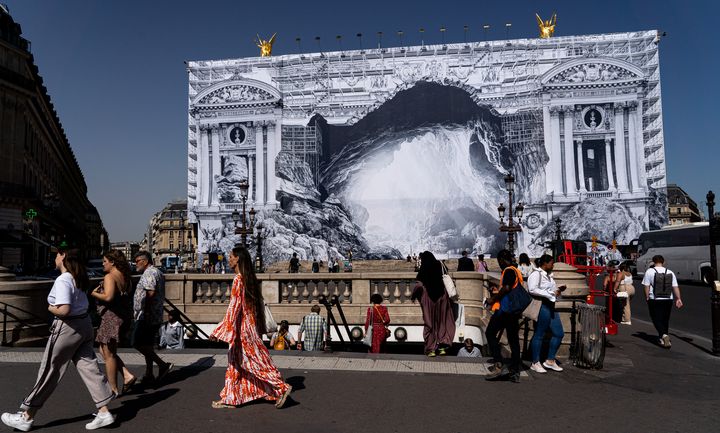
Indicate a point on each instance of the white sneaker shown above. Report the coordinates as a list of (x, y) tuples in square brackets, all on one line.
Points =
[(537, 368), (102, 419), (665, 341), (552, 366), (17, 421)]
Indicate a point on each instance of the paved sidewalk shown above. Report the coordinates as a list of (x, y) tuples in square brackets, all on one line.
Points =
[(340, 361)]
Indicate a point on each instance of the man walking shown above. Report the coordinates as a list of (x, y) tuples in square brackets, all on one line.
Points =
[(661, 289), (148, 310), (465, 263), (316, 330)]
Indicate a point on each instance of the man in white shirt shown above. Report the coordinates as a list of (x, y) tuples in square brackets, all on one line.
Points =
[(661, 289), (469, 351)]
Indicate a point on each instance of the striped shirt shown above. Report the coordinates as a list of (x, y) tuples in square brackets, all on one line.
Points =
[(313, 327)]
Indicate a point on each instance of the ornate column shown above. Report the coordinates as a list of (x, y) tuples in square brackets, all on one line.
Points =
[(557, 174), (632, 138), (608, 165), (259, 165), (202, 166), (273, 135), (581, 164), (251, 194), (570, 180), (215, 165), (641, 174), (550, 167), (620, 153)]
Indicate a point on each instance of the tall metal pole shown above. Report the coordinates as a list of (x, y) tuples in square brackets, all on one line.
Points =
[(511, 233), (243, 234), (715, 296)]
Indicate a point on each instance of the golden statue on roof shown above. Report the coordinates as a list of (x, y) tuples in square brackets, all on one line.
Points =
[(547, 28), (266, 46)]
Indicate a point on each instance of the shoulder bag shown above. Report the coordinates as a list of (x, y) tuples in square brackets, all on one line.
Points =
[(449, 284), (533, 309), (367, 339)]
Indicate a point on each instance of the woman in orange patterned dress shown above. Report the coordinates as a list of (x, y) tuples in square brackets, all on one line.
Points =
[(250, 374)]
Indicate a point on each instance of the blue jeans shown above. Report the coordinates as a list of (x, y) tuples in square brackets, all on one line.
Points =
[(547, 319)]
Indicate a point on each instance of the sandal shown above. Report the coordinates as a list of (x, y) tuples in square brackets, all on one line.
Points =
[(128, 385), (283, 398), (218, 404)]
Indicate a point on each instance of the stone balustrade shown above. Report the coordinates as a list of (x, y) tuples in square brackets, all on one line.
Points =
[(204, 297)]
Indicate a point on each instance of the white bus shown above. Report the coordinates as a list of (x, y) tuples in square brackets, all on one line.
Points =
[(685, 247)]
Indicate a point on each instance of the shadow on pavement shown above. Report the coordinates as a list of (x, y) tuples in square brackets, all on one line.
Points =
[(652, 339), (130, 408), (297, 382), (691, 342), (63, 421)]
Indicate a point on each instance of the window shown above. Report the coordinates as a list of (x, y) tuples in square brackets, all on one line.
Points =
[(172, 235)]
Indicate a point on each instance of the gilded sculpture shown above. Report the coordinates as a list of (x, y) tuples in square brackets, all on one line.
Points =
[(547, 28), (266, 45)]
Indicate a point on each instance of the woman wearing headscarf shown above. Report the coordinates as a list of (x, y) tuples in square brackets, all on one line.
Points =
[(438, 321)]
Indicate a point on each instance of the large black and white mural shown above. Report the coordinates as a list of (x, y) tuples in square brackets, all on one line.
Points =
[(387, 152)]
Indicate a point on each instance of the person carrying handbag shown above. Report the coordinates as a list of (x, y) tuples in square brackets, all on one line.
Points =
[(541, 285), (377, 320)]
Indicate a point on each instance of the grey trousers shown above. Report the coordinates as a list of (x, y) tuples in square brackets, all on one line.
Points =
[(71, 339)]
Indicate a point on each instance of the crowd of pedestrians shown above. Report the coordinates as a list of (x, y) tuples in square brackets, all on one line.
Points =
[(122, 319)]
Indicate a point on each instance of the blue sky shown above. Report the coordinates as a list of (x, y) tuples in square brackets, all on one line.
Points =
[(115, 72)]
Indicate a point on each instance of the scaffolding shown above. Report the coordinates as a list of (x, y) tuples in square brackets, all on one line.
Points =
[(303, 145)]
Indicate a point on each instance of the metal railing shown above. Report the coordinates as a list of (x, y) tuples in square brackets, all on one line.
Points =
[(19, 323)]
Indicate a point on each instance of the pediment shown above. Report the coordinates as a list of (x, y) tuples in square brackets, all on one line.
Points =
[(250, 92), (592, 71)]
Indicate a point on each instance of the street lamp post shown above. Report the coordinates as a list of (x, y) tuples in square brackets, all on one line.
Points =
[(512, 226), (259, 265), (246, 227), (177, 259), (715, 296), (558, 229)]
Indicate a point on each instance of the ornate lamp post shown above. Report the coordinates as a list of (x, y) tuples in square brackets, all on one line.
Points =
[(715, 297), (177, 259), (259, 265), (512, 226), (246, 227)]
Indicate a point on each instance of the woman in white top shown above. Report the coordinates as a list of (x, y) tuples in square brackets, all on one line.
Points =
[(541, 286), (626, 286), (71, 339), (524, 265)]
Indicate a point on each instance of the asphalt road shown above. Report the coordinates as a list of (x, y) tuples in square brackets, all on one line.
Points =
[(641, 388)]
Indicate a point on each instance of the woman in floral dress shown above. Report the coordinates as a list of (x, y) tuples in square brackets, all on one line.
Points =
[(251, 373)]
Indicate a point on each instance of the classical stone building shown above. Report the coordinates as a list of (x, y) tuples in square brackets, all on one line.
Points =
[(682, 209), (43, 195), (128, 248), (169, 236), (321, 138)]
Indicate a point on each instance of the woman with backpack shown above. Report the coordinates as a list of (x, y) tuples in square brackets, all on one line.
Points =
[(282, 340), (378, 316), (114, 296)]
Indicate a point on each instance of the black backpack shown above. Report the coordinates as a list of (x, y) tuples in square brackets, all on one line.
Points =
[(662, 285)]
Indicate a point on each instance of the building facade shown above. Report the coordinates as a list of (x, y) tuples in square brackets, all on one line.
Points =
[(43, 195), (129, 249), (322, 138), (170, 238), (682, 209)]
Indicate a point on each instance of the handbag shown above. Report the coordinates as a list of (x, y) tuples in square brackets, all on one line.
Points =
[(519, 299), (270, 323), (621, 295), (367, 339), (449, 284), (533, 310)]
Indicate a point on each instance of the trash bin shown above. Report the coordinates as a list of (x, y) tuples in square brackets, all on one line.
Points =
[(590, 337)]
